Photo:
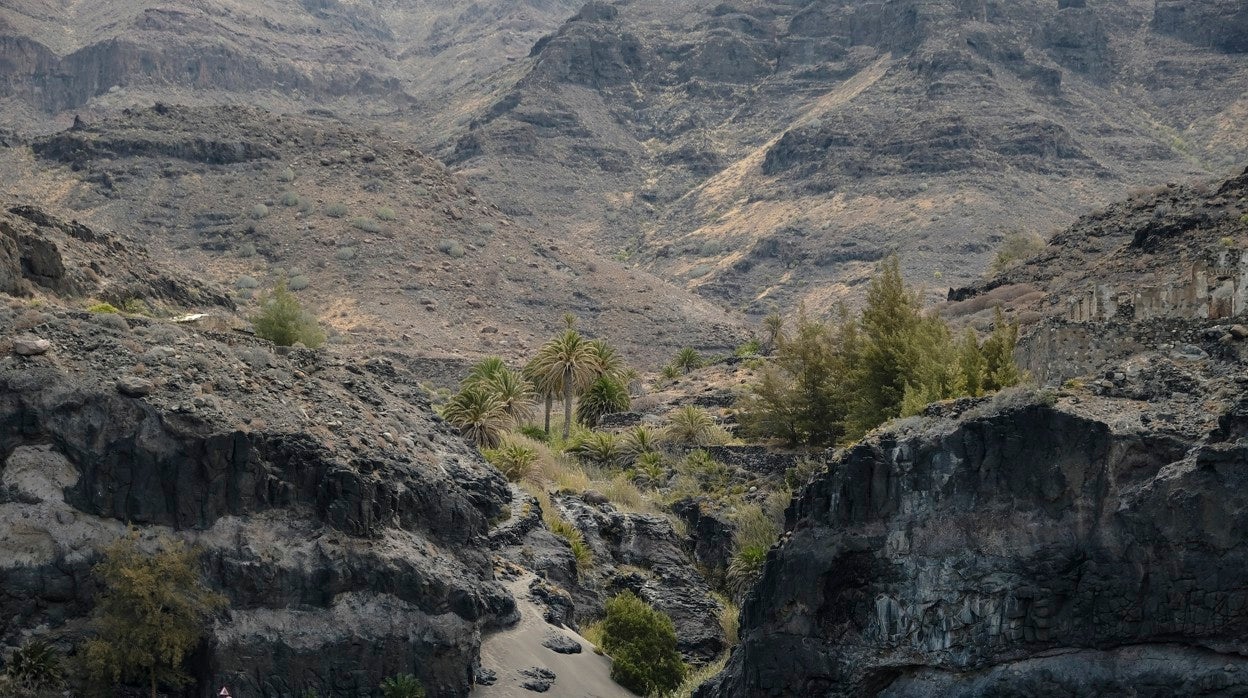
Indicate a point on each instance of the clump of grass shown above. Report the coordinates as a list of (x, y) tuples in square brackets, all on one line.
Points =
[(298, 283), (451, 248), (259, 211), (344, 254), (593, 632), (699, 676), (286, 175), (729, 618), (290, 199), (246, 282), (580, 549), (368, 225), (336, 210), (246, 250), (385, 214), (621, 491), (103, 308), (513, 460), (136, 306)]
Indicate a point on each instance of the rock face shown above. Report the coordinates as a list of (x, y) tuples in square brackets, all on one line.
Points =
[(1020, 549), (345, 523)]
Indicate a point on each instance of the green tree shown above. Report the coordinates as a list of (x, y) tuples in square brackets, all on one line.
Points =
[(1000, 370), (514, 391), (889, 355), (687, 359), (282, 320), (642, 644), (607, 360), (150, 615), (972, 368), (486, 370), (480, 415), (570, 362), (604, 396)]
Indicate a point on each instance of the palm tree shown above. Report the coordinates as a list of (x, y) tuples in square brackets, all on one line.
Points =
[(479, 414), (604, 396), (544, 388), (485, 369), (691, 425), (688, 359), (639, 441), (773, 329), (607, 359), (569, 362), (515, 392)]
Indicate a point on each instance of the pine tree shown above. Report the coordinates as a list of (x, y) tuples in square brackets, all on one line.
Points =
[(1000, 370)]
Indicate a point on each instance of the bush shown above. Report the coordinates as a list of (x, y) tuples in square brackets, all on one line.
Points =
[(246, 282), (535, 432), (298, 283), (451, 248), (259, 211), (688, 359), (286, 175), (368, 225), (282, 320), (103, 308), (290, 199), (642, 644), (246, 250), (604, 396), (1016, 248), (336, 210), (150, 616), (515, 461), (35, 666), (693, 426), (600, 448), (385, 214), (580, 549), (402, 686), (344, 254), (136, 306)]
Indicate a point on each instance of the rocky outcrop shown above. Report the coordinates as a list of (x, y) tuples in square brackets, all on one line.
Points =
[(642, 553), (1021, 548), (346, 525), (39, 251), (1219, 24)]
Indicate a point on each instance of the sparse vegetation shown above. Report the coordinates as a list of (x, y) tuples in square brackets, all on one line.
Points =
[(337, 210), (290, 199), (259, 211), (33, 668), (451, 248), (386, 214), (368, 225), (247, 282), (344, 254), (283, 321), (286, 175), (102, 308), (687, 360), (513, 460), (298, 283), (642, 644), (1016, 248), (402, 686), (246, 250), (150, 616)]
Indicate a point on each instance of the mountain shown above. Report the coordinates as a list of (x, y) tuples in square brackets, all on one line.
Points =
[(764, 153), (394, 251)]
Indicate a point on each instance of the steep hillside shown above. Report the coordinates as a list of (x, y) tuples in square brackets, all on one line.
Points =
[(394, 251), (399, 60), (766, 152)]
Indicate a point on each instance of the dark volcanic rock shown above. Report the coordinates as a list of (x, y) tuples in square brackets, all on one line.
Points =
[(561, 644), (1022, 550), (1220, 24)]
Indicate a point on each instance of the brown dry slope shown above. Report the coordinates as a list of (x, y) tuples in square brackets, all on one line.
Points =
[(394, 251), (766, 152)]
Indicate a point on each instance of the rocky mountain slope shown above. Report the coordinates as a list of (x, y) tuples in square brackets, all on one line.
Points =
[(359, 59), (768, 152), (388, 247), (1080, 540)]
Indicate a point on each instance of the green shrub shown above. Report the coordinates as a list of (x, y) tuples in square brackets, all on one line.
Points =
[(385, 214), (1227, 241), (344, 254), (604, 396), (337, 210), (290, 199), (247, 282), (368, 225), (670, 372), (151, 615), (451, 248), (515, 461), (136, 306), (1016, 248), (580, 549), (754, 534), (34, 667), (642, 644), (282, 320), (103, 308), (750, 348), (286, 175), (480, 415), (688, 359), (402, 686), (693, 426), (259, 211), (246, 250), (535, 432), (600, 448), (650, 466), (298, 283)]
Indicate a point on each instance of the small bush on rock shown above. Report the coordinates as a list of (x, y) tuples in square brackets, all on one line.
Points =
[(402, 686), (283, 321), (642, 644)]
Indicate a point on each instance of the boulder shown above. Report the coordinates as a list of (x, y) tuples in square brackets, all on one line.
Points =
[(31, 346)]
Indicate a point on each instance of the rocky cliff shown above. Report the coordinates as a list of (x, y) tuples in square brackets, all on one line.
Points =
[(346, 524), (1018, 547)]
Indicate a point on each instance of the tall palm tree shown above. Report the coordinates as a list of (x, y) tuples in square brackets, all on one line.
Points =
[(543, 387), (485, 369), (514, 390), (569, 362), (607, 359)]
